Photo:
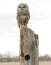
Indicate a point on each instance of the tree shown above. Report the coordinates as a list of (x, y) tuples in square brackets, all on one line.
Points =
[(47, 56)]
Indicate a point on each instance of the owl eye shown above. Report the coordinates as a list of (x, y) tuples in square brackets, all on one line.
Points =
[(23, 6), (19, 6)]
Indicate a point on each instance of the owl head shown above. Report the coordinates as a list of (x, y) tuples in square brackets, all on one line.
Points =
[(23, 9)]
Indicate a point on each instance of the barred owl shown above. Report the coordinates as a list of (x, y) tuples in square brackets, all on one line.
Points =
[(23, 14)]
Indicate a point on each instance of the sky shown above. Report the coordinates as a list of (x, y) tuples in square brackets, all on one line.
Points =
[(40, 23)]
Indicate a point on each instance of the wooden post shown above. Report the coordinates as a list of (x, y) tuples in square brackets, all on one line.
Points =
[(28, 46)]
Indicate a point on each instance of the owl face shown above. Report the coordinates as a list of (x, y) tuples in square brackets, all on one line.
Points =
[(22, 8)]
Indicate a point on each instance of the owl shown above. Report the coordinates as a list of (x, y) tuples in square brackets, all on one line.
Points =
[(23, 14)]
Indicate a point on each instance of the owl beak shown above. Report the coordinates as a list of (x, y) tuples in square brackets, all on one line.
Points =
[(21, 8)]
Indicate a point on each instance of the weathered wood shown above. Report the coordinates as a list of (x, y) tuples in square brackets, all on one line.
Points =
[(28, 46)]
